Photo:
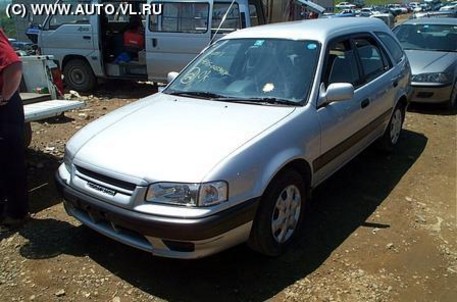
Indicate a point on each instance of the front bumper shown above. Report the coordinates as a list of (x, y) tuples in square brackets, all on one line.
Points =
[(423, 93), (163, 236)]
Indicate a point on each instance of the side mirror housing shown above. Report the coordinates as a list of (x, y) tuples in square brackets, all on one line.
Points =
[(171, 76), (335, 92)]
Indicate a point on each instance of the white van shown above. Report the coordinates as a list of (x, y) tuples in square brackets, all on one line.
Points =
[(92, 46)]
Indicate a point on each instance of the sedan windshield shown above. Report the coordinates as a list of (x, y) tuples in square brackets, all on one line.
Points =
[(263, 71), (437, 37)]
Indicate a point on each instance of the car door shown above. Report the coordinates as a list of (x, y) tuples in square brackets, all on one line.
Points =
[(70, 34), (348, 126), (176, 36), (338, 120), (377, 89)]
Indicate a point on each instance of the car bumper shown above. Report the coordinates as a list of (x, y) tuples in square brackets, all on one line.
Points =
[(171, 237), (431, 94)]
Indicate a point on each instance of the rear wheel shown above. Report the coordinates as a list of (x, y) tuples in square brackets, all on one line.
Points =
[(78, 75), (280, 214), (390, 138)]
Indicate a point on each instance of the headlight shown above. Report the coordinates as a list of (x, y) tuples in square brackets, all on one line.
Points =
[(186, 194), (67, 161), (434, 77)]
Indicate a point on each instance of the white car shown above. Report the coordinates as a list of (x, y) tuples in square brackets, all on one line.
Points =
[(450, 6), (344, 5), (230, 150)]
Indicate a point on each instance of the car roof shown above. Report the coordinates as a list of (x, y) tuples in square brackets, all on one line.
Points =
[(443, 21), (317, 29)]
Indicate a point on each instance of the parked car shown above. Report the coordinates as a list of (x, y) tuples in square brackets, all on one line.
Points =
[(387, 18), (345, 5), (229, 151), (431, 46), (23, 48), (449, 6), (438, 14)]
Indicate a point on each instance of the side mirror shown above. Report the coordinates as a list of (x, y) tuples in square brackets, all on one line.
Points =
[(171, 76), (335, 92)]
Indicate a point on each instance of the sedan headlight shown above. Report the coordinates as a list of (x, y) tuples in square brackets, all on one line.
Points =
[(67, 161), (186, 194), (433, 77)]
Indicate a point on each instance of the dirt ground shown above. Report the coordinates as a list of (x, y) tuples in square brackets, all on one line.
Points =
[(382, 229)]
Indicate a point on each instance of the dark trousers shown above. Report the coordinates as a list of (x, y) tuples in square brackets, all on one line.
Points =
[(13, 177)]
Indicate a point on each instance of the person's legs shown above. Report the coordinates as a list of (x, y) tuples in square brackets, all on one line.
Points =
[(13, 176)]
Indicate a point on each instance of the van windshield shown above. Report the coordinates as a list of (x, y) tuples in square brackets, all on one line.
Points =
[(251, 69)]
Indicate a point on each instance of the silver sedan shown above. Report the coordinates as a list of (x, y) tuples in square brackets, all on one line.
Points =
[(431, 47)]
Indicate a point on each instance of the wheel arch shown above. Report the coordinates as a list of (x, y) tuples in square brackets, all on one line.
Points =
[(298, 164), (403, 102), (71, 57)]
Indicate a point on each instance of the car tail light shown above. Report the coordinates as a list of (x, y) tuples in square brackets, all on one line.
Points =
[(57, 79)]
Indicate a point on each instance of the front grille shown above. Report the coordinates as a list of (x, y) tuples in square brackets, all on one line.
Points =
[(424, 95), (106, 179)]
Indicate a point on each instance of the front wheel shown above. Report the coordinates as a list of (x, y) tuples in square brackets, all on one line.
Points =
[(390, 138), (280, 214), (453, 100), (78, 75)]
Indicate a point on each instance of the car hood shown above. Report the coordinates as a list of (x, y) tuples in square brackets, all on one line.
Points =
[(430, 61), (169, 138)]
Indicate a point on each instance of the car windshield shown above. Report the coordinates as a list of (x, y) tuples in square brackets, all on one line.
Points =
[(437, 37), (264, 71)]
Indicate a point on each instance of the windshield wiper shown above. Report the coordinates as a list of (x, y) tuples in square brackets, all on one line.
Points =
[(200, 94), (220, 98), (259, 101)]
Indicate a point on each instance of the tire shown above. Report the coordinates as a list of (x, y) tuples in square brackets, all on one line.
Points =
[(78, 75), (280, 214), (27, 134), (453, 100), (390, 138)]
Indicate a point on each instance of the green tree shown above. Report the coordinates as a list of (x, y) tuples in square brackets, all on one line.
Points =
[(7, 25)]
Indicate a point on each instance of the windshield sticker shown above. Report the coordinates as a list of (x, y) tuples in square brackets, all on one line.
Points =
[(311, 46), (269, 87), (259, 42)]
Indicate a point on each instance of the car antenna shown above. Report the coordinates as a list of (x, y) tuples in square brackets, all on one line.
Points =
[(222, 22)]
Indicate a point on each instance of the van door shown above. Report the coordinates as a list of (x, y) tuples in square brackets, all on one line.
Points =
[(71, 34), (176, 36)]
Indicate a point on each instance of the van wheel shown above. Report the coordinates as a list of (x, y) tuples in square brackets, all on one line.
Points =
[(78, 75), (390, 138), (280, 214), (27, 134)]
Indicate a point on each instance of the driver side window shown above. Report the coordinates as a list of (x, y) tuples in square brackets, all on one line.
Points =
[(341, 65)]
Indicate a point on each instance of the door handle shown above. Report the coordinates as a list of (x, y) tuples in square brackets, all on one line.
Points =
[(154, 42), (365, 103), (86, 37)]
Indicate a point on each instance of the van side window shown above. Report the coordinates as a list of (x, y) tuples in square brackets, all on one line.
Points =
[(232, 21), (181, 17), (255, 14), (341, 65), (373, 61), (57, 20)]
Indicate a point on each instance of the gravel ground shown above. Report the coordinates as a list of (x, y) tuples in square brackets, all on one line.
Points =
[(382, 229)]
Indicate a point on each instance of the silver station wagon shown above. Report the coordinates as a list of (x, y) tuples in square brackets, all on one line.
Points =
[(229, 151)]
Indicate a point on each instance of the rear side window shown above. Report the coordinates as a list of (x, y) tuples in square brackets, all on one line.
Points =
[(181, 17), (392, 46), (373, 61)]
